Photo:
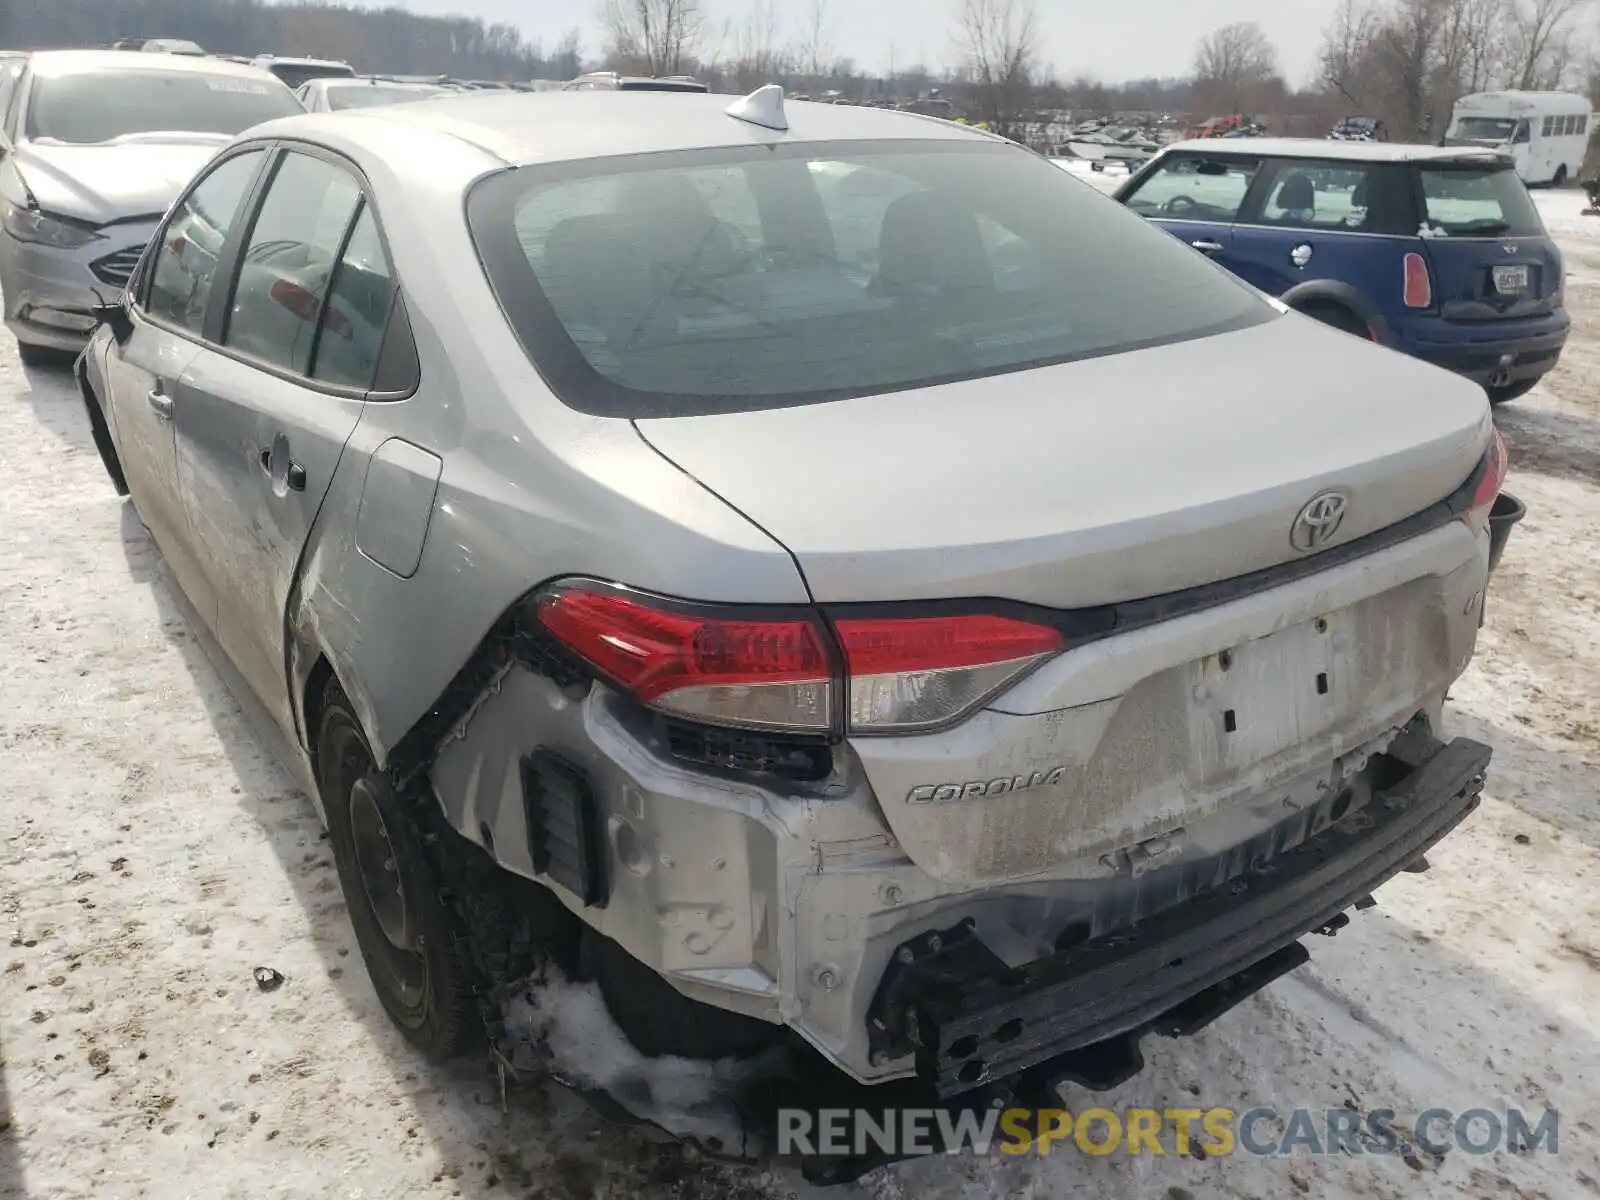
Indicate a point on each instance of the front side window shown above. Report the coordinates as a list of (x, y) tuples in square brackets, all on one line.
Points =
[(1187, 188), (186, 258), (90, 107), (717, 281), (1476, 201), (285, 269)]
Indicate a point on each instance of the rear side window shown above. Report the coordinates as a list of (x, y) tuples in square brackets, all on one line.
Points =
[(718, 281), (286, 268), (1352, 197), (1473, 201), (357, 310), (1185, 187)]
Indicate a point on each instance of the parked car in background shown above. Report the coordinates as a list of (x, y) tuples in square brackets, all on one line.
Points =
[(1436, 252), (530, 460), (93, 147), (1545, 133), (366, 91), (161, 46), (297, 71), (1360, 129), (611, 81)]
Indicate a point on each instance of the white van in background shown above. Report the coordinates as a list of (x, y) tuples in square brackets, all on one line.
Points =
[(1546, 133)]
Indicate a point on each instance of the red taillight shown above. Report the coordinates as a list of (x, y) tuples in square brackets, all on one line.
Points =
[(1496, 462), (306, 307), (757, 673), (912, 673), (903, 674), (1419, 288)]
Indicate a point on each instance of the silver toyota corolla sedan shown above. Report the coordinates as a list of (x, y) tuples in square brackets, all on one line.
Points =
[(93, 147), (801, 567)]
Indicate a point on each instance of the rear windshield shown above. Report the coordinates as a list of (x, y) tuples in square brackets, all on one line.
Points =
[(296, 75), (759, 277), (361, 96), (97, 106), (1478, 202), (660, 85)]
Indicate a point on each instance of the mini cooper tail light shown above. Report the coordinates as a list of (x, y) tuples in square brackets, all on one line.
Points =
[(1418, 285), (744, 671), (1496, 463), (913, 673)]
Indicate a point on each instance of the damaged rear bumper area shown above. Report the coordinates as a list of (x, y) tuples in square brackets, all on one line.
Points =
[(970, 1019)]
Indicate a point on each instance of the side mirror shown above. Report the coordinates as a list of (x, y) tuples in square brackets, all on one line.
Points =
[(116, 315)]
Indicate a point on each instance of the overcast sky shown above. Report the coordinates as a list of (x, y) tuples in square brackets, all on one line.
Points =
[(1113, 41)]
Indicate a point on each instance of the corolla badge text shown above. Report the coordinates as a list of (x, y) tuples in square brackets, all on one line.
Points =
[(930, 793)]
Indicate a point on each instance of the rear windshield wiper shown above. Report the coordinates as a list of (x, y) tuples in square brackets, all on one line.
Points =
[(1490, 228)]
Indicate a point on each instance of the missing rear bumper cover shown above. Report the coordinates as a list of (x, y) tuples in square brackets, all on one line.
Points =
[(970, 1019)]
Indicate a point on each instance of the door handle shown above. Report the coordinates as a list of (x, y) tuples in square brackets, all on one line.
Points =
[(160, 402), (1205, 245), (294, 477)]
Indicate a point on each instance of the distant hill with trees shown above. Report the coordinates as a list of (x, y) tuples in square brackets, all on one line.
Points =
[(371, 39)]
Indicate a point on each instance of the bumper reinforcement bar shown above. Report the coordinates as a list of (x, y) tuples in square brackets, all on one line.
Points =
[(971, 1020)]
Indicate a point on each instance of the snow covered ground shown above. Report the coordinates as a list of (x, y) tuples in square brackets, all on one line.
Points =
[(154, 854)]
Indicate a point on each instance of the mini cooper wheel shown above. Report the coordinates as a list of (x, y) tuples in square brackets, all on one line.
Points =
[(402, 928)]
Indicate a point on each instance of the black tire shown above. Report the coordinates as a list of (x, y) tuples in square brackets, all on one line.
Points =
[(425, 988), (33, 355), (103, 443), (1561, 176), (659, 1020), (1340, 317), (1511, 391)]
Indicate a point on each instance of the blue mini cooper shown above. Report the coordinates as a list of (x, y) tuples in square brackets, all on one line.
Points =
[(1437, 252)]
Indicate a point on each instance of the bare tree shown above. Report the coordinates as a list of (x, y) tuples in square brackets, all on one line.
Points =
[(999, 44), (655, 36), (1539, 42), (1234, 65), (1346, 46), (816, 40), (758, 55)]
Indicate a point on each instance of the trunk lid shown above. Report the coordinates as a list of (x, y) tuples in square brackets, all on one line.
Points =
[(1097, 481), (1486, 245)]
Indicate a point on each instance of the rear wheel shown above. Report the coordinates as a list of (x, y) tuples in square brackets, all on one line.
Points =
[(1340, 317), (1561, 176), (1510, 391), (402, 928)]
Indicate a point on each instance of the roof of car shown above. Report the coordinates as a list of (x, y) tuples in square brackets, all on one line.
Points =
[(71, 62), (1332, 148), (522, 128), (347, 81)]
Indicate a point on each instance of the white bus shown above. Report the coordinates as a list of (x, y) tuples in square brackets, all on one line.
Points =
[(1546, 133)]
